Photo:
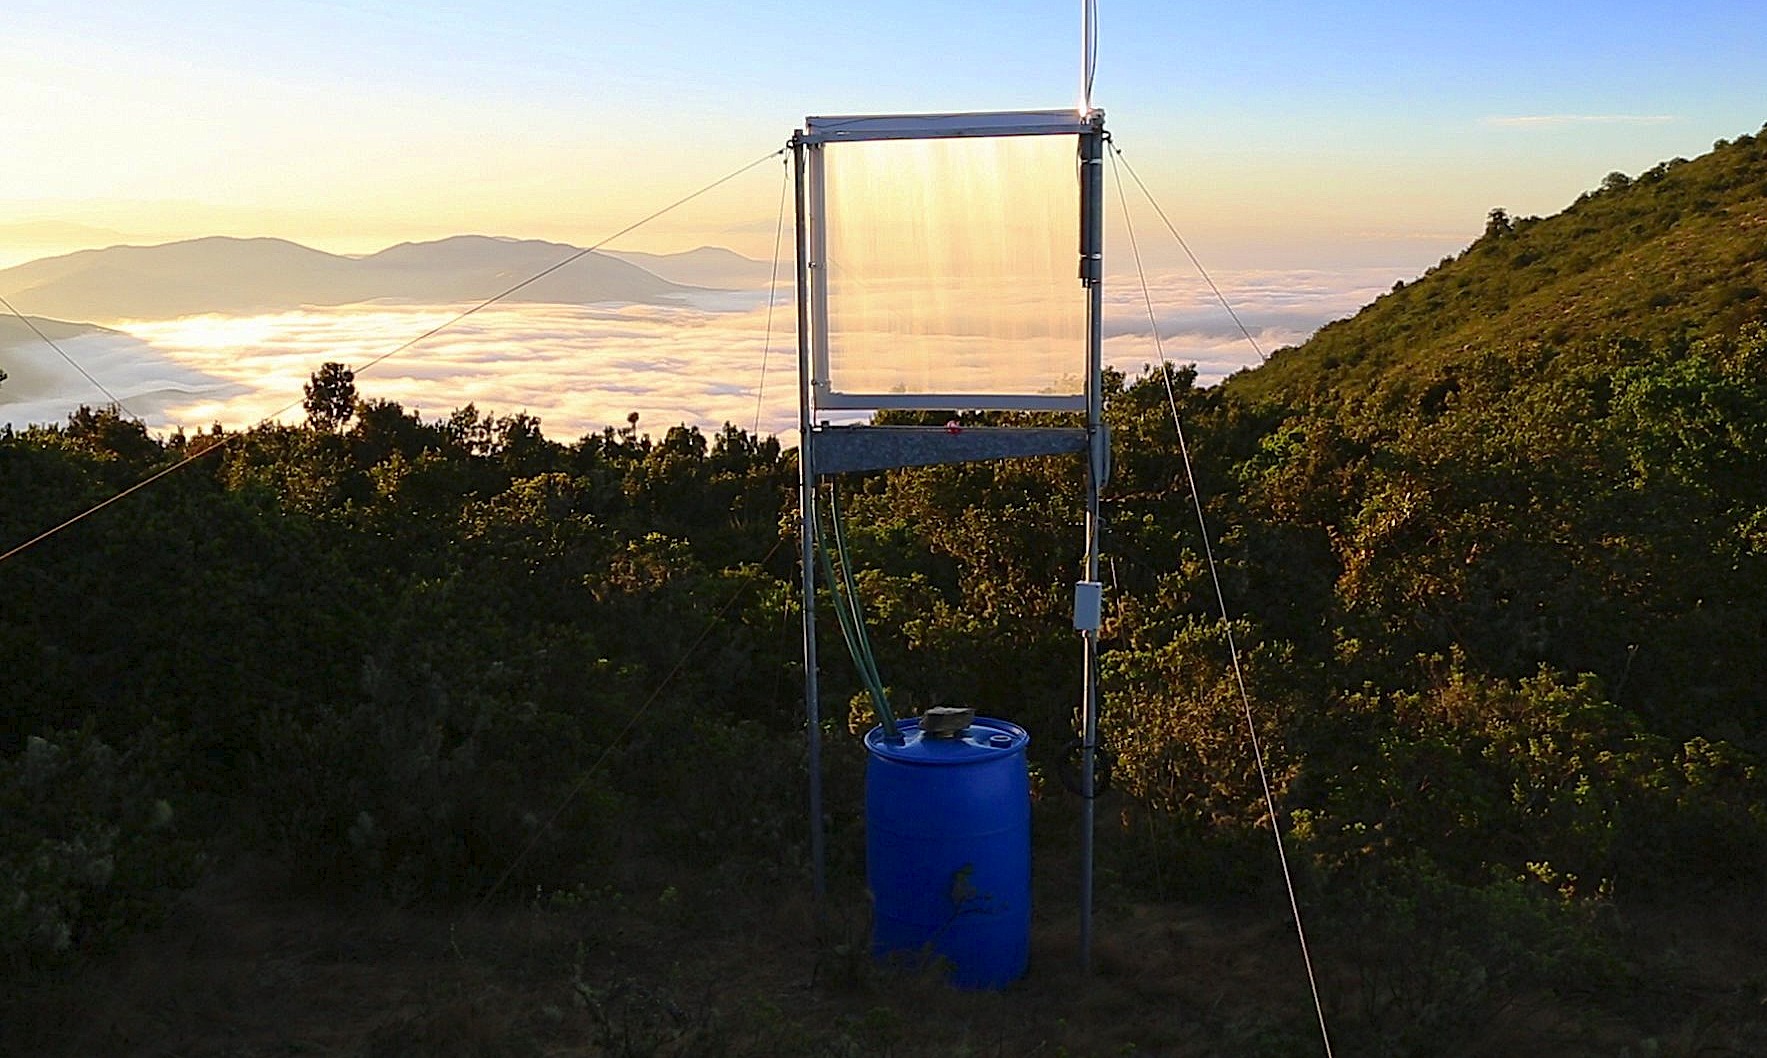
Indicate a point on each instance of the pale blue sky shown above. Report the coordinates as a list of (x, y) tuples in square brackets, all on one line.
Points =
[(1279, 134)]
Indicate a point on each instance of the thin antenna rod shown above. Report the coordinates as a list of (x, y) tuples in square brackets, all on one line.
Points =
[(1088, 51)]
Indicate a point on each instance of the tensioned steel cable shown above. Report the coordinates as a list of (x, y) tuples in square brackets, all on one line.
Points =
[(1204, 272), (1245, 697), (432, 332), (38, 331), (772, 292)]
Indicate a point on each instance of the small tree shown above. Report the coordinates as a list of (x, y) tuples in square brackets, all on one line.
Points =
[(1497, 224), (330, 396), (1616, 181)]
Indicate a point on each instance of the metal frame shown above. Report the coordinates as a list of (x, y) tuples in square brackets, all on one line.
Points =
[(819, 131), (882, 448), (807, 541), (828, 400), (856, 127), (1097, 469)]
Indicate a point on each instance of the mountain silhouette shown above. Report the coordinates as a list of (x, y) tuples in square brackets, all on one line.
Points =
[(238, 276), (706, 266)]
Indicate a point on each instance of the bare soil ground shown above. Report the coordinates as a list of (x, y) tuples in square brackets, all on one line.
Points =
[(248, 967)]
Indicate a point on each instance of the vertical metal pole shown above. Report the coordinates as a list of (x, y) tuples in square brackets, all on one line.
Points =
[(1092, 274), (807, 540)]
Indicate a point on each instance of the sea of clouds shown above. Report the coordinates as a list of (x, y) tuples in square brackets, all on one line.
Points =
[(580, 368)]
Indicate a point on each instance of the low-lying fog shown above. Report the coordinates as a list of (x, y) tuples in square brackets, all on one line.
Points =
[(582, 367)]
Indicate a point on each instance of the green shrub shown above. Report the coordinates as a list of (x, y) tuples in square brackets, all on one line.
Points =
[(89, 847), (1434, 961), (1544, 777), (420, 789)]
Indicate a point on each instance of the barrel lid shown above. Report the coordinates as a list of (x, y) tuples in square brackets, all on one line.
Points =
[(985, 739)]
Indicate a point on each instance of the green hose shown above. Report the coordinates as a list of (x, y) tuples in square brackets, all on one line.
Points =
[(852, 621), (861, 633), (847, 631)]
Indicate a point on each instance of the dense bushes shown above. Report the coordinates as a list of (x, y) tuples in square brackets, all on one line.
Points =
[(90, 843), (1428, 963), (1500, 637), (1543, 779), (388, 653)]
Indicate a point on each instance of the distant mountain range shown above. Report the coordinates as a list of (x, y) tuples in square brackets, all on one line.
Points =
[(708, 266), (241, 276)]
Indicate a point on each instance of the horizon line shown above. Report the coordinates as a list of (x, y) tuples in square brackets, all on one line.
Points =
[(1549, 120)]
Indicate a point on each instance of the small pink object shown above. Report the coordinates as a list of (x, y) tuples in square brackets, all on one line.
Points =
[(954, 427)]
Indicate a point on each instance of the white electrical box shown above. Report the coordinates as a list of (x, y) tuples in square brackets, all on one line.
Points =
[(1088, 605)]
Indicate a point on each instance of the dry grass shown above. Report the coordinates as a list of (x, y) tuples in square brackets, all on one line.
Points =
[(246, 968)]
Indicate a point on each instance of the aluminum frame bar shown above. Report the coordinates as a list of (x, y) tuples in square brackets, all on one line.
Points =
[(831, 400), (854, 128)]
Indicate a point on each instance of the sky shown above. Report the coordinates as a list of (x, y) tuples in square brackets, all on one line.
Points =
[(1311, 154), (1278, 134)]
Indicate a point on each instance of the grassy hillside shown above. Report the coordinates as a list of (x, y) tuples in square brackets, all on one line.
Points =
[(1678, 251)]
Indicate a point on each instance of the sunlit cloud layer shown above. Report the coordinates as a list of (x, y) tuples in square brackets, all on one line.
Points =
[(580, 368), (1277, 308), (42, 386)]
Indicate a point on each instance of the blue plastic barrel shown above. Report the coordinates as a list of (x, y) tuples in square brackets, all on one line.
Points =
[(948, 849)]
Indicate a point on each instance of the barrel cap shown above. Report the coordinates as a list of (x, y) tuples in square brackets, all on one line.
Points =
[(984, 739), (946, 721)]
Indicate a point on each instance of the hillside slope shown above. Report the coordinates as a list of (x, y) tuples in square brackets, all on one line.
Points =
[(1679, 250), (14, 330)]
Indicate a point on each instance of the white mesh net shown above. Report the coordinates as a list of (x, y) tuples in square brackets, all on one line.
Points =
[(952, 267)]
